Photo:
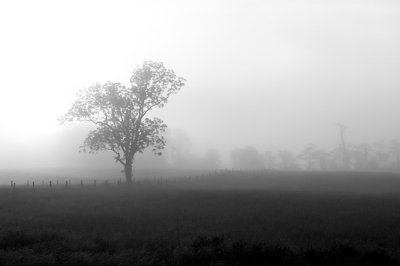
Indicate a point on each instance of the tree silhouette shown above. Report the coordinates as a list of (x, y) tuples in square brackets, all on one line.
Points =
[(361, 154), (395, 151), (270, 160), (120, 113), (345, 153), (287, 161), (309, 155)]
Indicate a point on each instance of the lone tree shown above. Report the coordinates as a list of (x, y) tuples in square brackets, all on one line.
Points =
[(120, 113)]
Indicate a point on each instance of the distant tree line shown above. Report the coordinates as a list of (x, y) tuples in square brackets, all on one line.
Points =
[(178, 154), (378, 156)]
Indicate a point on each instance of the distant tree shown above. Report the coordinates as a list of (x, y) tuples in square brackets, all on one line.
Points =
[(335, 160), (120, 113), (270, 160), (361, 154), (322, 159), (178, 150), (343, 147), (380, 155), (247, 158), (309, 155), (287, 161), (395, 152)]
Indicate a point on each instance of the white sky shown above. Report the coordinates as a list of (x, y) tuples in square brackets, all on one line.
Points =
[(273, 74)]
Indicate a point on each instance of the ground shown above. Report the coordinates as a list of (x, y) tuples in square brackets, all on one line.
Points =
[(220, 219)]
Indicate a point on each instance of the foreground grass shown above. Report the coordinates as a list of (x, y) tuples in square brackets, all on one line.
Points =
[(181, 225)]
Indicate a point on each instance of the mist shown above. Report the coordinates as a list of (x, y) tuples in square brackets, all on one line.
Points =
[(182, 132), (275, 76)]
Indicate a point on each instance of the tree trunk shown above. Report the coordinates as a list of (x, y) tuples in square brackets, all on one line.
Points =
[(128, 171)]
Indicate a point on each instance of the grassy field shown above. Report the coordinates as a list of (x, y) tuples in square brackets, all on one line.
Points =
[(229, 218)]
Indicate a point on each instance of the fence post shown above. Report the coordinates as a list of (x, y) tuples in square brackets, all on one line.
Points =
[(81, 183), (33, 185), (50, 183)]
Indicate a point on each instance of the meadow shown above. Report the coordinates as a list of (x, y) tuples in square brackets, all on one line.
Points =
[(224, 218)]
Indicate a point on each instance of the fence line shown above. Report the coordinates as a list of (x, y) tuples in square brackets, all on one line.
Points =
[(171, 180)]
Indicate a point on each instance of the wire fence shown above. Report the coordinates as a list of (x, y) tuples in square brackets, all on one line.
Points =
[(57, 183)]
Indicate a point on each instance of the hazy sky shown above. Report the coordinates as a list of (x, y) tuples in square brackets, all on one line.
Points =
[(273, 74)]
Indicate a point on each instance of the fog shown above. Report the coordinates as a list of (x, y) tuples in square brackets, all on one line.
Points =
[(274, 75)]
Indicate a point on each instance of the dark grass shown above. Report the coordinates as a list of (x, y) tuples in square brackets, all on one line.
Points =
[(217, 220)]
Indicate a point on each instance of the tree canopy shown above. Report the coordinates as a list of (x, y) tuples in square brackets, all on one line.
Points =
[(120, 113)]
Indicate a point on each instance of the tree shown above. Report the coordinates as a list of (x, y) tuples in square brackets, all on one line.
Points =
[(345, 154), (309, 156), (287, 161), (380, 155), (334, 159), (120, 113), (361, 154), (395, 152), (270, 160), (178, 152)]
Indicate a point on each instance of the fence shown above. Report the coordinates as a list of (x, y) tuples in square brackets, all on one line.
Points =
[(90, 182)]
